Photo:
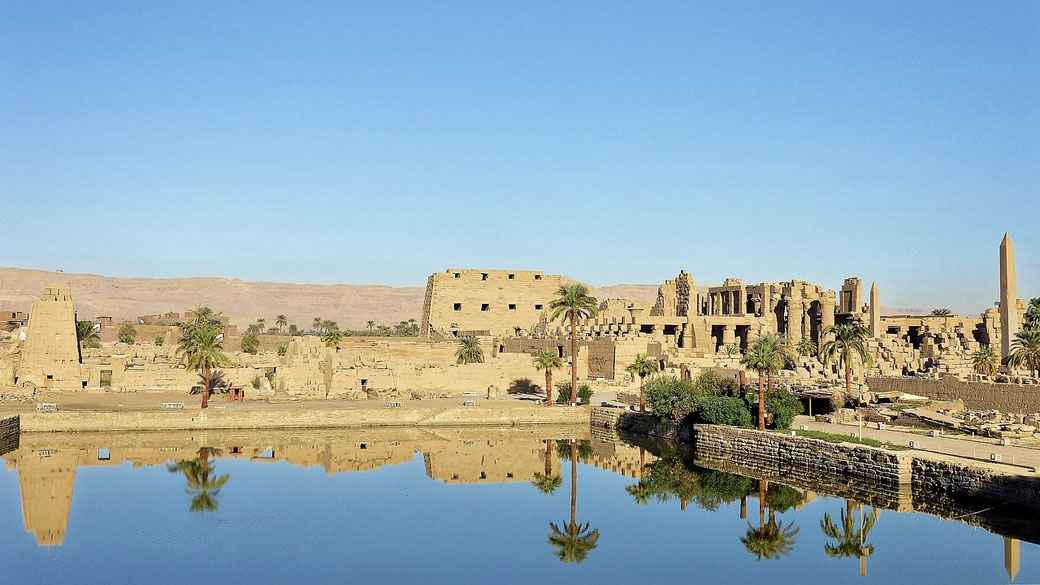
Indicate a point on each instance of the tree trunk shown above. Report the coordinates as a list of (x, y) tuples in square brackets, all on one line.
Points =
[(848, 379), (762, 488), (743, 507), (548, 387), (548, 457), (642, 396), (761, 403), (574, 359), (205, 387), (574, 482)]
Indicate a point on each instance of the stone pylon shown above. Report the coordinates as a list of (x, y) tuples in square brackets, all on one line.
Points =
[(875, 311), (50, 358), (1008, 294)]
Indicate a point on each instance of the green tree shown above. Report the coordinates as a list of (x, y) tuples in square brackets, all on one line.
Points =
[(159, 341), (281, 321), (642, 367), (846, 342), (1025, 351), (87, 334), (850, 540), (985, 361), (469, 351), (766, 355), (546, 482), (805, 347), (201, 348), (331, 335), (1032, 317), (370, 325), (573, 542), (316, 325), (127, 333), (941, 312), (574, 303), (250, 343), (202, 482), (548, 361)]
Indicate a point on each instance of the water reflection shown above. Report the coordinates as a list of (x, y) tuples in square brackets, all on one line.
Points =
[(574, 542), (202, 482), (850, 540), (772, 539)]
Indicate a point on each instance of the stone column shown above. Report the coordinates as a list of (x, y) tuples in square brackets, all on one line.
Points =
[(875, 311), (1008, 309), (827, 319)]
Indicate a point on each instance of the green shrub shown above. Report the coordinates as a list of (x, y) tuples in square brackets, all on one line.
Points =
[(671, 398), (723, 410), (127, 333), (711, 384), (250, 343), (563, 393), (782, 498), (283, 349), (159, 340), (784, 406)]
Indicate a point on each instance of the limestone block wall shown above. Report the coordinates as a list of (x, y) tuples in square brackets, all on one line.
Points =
[(9, 431), (1020, 398), (799, 457), (937, 478), (488, 302)]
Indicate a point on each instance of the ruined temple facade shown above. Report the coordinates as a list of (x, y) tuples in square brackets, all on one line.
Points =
[(463, 302), (50, 358)]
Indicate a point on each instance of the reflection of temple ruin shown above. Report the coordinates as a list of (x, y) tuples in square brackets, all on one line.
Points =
[(47, 463)]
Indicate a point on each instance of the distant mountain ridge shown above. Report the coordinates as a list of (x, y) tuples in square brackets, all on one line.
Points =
[(350, 305)]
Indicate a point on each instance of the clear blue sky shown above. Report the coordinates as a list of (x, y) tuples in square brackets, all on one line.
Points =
[(613, 142)]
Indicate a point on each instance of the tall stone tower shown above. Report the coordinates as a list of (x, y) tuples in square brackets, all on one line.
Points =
[(50, 358), (875, 311), (1008, 296)]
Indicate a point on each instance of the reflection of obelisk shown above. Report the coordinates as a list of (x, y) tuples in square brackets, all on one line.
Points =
[(1008, 308), (1012, 562)]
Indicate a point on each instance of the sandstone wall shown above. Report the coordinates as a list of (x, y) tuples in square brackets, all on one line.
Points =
[(9, 432), (486, 302), (936, 479), (976, 395)]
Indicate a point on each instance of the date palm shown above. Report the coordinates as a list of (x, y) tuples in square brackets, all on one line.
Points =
[(574, 541), (850, 540), (202, 483), (805, 347), (985, 361), (370, 325), (201, 348), (766, 356), (771, 540), (316, 325), (642, 367), (332, 336), (546, 482), (1032, 317), (548, 361), (574, 303), (846, 343), (1025, 351), (941, 312), (86, 334), (281, 321), (469, 351)]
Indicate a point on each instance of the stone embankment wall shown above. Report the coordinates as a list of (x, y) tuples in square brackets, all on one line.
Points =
[(799, 457), (938, 478), (9, 432), (213, 418), (1020, 398)]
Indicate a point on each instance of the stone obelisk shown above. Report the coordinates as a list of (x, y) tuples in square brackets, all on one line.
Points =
[(875, 311), (1008, 303)]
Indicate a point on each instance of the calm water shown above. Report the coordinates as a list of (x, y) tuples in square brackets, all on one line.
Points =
[(448, 507)]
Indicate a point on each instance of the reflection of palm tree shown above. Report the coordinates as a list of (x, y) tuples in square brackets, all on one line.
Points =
[(575, 541), (850, 540), (771, 540), (202, 483), (546, 482), (640, 492)]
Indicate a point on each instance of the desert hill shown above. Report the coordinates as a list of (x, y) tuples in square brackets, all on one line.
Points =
[(351, 305)]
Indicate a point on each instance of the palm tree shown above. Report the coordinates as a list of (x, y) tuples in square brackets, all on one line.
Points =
[(846, 342), (370, 325), (985, 361), (332, 336), (575, 541), (469, 351), (642, 367), (766, 355), (316, 325), (1025, 351), (850, 540), (281, 321), (574, 303), (262, 322), (771, 540), (203, 485), (547, 484), (805, 347), (1032, 317), (201, 347), (86, 334), (941, 312), (548, 360), (640, 491)]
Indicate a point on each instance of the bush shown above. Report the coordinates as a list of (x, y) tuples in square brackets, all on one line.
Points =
[(784, 406), (563, 393), (283, 349), (671, 398), (159, 340), (723, 410), (127, 333), (711, 384), (250, 343)]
